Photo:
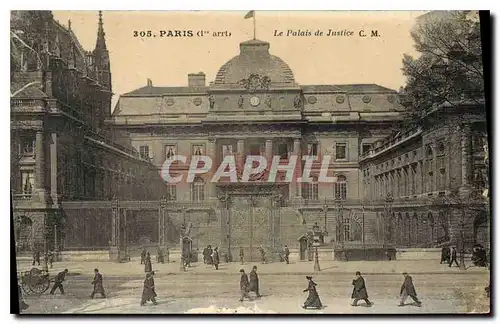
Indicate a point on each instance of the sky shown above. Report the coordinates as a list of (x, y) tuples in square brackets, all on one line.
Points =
[(313, 59)]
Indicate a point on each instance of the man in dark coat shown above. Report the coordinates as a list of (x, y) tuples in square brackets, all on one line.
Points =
[(147, 263), (453, 256), (287, 254), (215, 258), (359, 291), (148, 292), (244, 285), (445, 255), (167, 255), (36, 256), (143, 255), (254, 281), (97, 282), (58, 280), (242, 255), (159, 255), (407, 289), (209, 254)]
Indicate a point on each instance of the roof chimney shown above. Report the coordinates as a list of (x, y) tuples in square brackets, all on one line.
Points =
[(150, 83), (196, 79)]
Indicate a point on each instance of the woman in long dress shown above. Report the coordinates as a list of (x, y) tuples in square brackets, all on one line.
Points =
[(313, 300)]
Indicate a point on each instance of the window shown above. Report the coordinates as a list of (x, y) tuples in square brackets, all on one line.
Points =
[(198, 149), (144, 152), (310, 189), (256, 149), (312, 150), (366, 148), (27, 182), (341, 151), (170, 151), (347, 229), (283, 151), (171, 192), (340, 188), (27, 145), (198, 189), (227, 150), (430, 182), (428, 152)]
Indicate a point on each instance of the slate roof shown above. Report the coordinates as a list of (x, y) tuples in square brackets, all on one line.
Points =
[(158, 91)]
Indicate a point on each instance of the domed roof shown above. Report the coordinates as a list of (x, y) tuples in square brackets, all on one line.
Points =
[(254, 58)]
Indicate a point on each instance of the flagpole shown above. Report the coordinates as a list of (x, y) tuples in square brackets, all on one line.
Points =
[(254, 25)]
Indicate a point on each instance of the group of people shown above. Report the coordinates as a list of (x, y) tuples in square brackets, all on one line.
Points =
[(479, 256), (247, 286), (211, 256), (360, 292), (49, 257)]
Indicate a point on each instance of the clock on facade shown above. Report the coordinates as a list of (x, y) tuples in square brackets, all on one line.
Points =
[(254, 101)]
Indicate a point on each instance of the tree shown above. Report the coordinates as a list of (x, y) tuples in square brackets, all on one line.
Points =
[(450, 68)]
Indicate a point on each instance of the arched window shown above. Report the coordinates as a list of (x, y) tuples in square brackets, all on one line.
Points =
[(347, 229), (198, 189), (340, 188), (310, 189)]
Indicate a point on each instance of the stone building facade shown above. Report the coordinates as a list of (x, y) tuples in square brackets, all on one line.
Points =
[(61, 149), (427, 185), (255, 107)]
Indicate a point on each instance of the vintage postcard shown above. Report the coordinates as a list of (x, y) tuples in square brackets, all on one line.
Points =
[(300, 162)]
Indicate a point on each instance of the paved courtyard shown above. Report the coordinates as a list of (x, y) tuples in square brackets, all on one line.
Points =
[(202, 289)]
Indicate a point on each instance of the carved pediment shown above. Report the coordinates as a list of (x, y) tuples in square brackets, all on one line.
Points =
[(256, 82)]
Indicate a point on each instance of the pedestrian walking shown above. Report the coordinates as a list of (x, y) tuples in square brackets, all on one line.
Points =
[(215, 258), (58, 280), (148, 292), (287, 254), (407, 289), (242, 255), (254, 281), (262, 254), (445, 255), (210, 255), (51, 258), (244, 285), (159, 255), (167, 255), (147, 263), (143, 255), (313, 300), (205, 255), (98, 287), (186, 257), (453, 256), (36, 256), (359, 291)]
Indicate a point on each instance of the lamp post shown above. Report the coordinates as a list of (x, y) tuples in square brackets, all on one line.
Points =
[(461, 266), (316, 257), (389, 200), (340, 204), (183, 229), (225, 199), (325, 211)]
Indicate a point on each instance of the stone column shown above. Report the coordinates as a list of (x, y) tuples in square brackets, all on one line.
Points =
[(40, 161), (295, 189), (269, 152), (113, 249), (240, 158), (53, 169), (465, 156), (212, 153)]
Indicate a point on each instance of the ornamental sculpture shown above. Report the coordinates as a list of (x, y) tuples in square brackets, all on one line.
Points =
[(268, 101), (240, 102), (256, 82), (211, 100), (297, 102)]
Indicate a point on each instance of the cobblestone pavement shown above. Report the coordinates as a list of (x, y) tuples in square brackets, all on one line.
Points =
[(458, 292)]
